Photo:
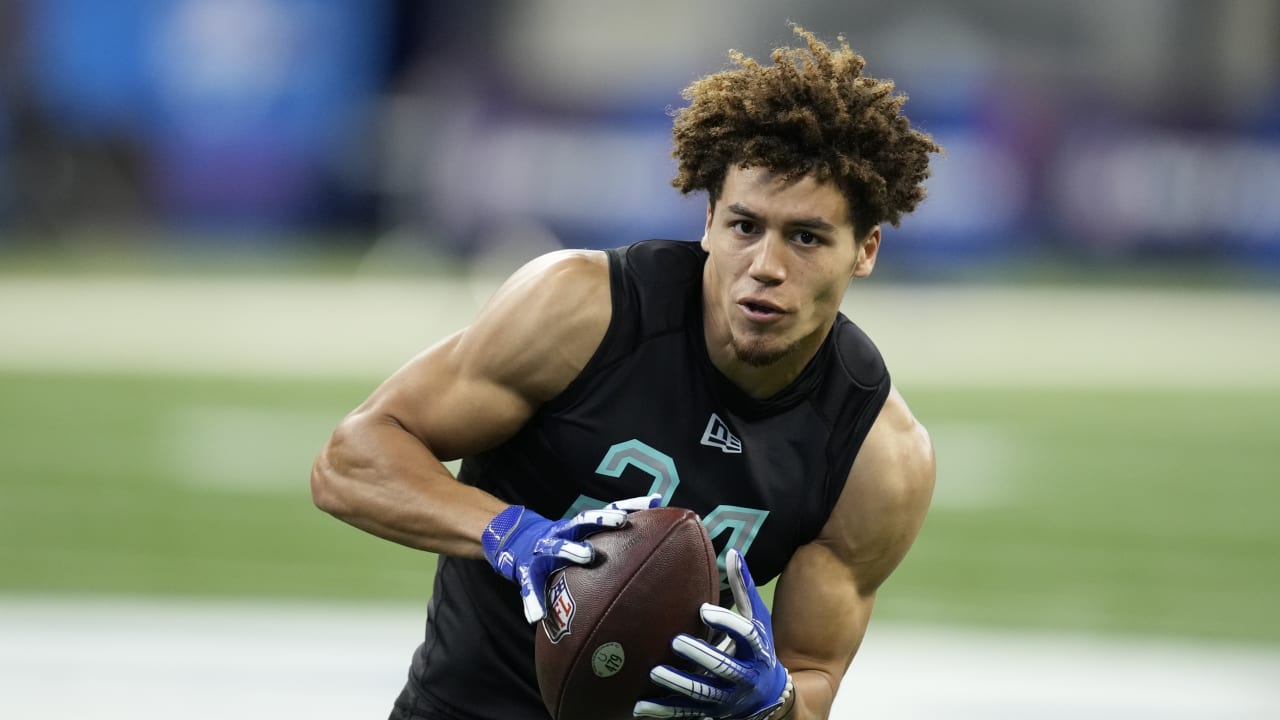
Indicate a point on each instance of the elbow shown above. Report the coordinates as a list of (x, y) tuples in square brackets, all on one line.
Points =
[(326, 477), (324, 492)]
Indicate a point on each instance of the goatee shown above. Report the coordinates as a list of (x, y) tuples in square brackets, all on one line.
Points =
[(758, 354)]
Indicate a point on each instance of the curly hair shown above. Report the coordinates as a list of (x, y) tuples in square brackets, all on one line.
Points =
[(812, 112)]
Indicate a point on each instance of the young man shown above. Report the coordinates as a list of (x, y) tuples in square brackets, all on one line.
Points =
[(718, 376)]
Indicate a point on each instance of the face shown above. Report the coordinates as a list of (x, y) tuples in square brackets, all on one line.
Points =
[(781, 254)]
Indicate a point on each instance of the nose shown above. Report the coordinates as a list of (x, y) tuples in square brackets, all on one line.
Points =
[(768, 261)]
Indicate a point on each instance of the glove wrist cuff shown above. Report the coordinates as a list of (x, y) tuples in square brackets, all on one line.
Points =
[(787, 700), (782, 708), (779, 708), (494, 540)]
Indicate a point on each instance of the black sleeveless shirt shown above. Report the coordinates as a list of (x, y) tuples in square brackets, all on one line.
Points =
[(649, 413)]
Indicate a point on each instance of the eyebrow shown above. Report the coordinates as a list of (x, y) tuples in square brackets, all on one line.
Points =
[(813, 223)]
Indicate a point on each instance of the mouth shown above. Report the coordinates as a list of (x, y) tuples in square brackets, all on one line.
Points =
[(760, 310)]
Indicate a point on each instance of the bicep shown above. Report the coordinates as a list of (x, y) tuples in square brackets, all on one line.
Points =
[(452, 408), (819, 614), (825, 596), (884, 502)]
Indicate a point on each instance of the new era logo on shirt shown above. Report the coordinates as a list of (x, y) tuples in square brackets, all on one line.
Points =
[(717, 435)]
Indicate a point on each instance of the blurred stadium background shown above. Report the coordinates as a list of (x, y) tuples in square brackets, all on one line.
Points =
[(223, 221)]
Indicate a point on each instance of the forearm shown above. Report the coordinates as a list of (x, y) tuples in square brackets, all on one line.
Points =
[(380, 478), (811, 699)]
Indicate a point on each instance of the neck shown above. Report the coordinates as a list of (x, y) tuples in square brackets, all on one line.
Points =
[(759, 383)]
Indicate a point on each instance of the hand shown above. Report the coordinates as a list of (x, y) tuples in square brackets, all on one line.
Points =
[(523, 546), (741, 678)]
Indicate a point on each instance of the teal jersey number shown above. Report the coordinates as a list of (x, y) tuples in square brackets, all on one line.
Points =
[(742, 524)]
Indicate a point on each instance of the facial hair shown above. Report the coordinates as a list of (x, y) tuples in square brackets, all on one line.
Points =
[(759, 355)]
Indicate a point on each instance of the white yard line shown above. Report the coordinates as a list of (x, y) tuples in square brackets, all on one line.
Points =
[(963, 335), (62, 659)]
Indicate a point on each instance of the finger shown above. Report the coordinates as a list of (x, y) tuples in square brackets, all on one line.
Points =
[(739, 581), (531, 598), (591, 520), (581, 553), (645, 502), (534, 610), (726, 644), (734, 624), (694, 687), (709, 658), (665, 709), (575, 552), (748, 636)]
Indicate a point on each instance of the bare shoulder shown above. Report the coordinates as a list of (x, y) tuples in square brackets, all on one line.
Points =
[(542, 325), (884, 502), (477, 387)]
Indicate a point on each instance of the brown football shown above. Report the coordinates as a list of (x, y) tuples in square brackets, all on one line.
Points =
[(611, 621)]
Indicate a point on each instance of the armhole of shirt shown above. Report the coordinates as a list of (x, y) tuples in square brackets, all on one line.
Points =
[(620, 302), (845, 455)]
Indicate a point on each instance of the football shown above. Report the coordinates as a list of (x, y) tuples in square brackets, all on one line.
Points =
[(611, 621)]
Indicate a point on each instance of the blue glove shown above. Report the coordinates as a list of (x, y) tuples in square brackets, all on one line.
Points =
[(741, 678), (523, 546)]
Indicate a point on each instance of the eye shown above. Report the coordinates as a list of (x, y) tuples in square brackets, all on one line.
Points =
[(746, 227), (808, 238)]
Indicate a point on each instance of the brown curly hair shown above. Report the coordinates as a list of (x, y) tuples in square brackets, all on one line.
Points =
[(812, 112)]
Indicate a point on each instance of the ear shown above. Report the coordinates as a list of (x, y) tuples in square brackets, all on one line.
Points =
[(706, 229), (867, 251)]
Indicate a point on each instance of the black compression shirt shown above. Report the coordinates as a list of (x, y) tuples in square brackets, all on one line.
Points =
[(649, 413)]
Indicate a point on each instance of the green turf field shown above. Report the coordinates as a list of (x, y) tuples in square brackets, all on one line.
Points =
[(1135, 511)]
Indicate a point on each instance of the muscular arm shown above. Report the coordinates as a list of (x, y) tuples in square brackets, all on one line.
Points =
[(382, 469), (824, 598)]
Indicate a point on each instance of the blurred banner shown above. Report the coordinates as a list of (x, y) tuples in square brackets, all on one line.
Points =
[(1110, 133), (218, 113)]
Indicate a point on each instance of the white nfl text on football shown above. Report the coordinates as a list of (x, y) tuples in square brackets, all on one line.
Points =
[(717, 435)]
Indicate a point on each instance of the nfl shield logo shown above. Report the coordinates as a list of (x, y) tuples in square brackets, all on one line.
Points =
[(560, 609)]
